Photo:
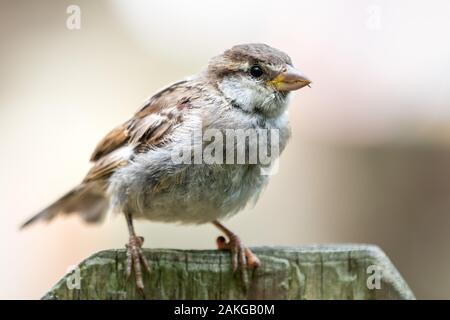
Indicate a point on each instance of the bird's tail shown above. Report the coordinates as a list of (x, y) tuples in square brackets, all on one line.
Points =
[(87, 200)]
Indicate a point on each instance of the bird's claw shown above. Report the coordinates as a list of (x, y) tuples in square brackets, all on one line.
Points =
[(242, 257), (135, 257)]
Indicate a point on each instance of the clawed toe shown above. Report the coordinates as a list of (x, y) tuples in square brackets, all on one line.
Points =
[(135, 261), (242, 257)]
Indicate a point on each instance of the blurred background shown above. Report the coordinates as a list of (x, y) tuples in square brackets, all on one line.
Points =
[(369, 160)]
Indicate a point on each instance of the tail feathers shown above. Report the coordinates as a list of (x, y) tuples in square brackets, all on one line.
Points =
[(88, 200)]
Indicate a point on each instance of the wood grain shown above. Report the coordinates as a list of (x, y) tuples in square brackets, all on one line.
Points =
[(308, 272)]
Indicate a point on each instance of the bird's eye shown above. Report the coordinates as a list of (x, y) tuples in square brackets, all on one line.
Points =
[(256, 71)]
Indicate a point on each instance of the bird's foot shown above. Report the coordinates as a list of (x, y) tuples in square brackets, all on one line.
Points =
[(135, 257), (242, 257)]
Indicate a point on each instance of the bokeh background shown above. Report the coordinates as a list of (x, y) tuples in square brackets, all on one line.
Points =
[(369, 160)]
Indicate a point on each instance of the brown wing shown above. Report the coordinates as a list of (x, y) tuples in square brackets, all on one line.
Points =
[(113, 140), (148, 128)]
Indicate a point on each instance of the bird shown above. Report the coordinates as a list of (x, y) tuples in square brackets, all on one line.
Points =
[(136, 170)]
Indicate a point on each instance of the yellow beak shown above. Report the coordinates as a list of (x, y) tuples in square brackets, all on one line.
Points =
[(290, 79)]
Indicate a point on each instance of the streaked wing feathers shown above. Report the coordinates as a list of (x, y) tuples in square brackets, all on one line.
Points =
[(149, 128)]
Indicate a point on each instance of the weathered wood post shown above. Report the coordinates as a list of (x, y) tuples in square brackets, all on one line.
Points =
[(309, 272)]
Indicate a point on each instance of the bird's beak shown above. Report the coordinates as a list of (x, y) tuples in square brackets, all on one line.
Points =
[(289, 79)]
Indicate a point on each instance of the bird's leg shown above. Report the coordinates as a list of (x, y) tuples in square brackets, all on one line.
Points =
[(135, 256), (241, 256)]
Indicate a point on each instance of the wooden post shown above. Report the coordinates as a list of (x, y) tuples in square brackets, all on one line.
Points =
[(309, 272)]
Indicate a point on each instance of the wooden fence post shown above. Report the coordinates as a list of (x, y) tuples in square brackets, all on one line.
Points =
[(309, 272)]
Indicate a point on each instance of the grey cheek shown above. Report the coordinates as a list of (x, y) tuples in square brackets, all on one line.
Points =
[(238, 92)]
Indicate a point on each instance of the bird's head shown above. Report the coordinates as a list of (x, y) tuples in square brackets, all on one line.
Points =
[(256, 78)]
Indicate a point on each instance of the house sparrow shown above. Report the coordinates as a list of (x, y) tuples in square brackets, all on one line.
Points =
[(134, 172)]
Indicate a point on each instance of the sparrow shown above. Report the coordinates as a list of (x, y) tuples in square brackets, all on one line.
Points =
[(133, 169)]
